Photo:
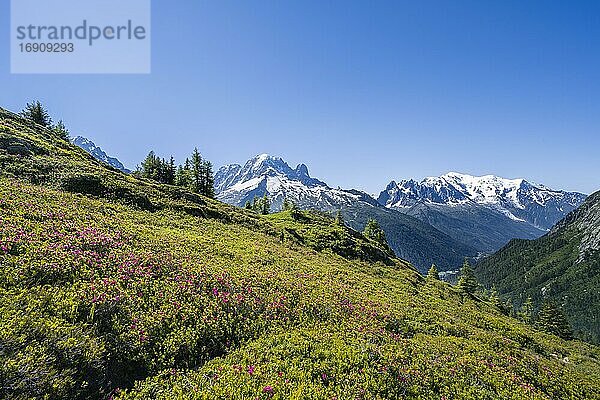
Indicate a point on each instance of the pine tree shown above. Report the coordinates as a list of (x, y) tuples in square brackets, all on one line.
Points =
[(197, 172), (265, 205), (61, 130), (171, 171), (553, 320), (208, 183), (285, 206), (374, 232), (150, 167), (509, 308), (295, 211), (37, 113), (467, 282), (495, 298), (432, 274), (526, 312)]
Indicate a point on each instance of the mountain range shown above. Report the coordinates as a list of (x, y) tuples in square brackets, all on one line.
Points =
[(98, 153), (115, 286), (455, 215), (413, 240), (438, 220), (486, 211)]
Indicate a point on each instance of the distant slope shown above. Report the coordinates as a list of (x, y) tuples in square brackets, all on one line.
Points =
[(563, 265), (411, 239), (483, 211), (98, 153), (484, 229), (115, 287)]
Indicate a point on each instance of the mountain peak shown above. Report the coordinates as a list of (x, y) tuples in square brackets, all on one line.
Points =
[(517, 198), (302, 170), (99, 154), (250, 178)]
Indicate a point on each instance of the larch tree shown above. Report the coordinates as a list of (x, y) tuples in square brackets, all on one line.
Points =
[(467, 283), (37, 113)]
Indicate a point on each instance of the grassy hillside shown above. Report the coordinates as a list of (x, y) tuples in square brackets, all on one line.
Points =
[(563, 266), (113, 287)]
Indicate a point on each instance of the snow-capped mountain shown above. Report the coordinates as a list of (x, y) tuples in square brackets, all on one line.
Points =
[(411, 239), (98, 153), (491, 209), (236, 184)]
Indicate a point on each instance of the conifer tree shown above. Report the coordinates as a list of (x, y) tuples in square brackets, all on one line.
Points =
[(171, 171), (197, 172), (150, 167), (495, 298), (553, 320), (374, 232), (509, 308), (526, 312), (61, 130), (285, 206), (432, 274), (183, 177), (37, 113), (208, 182), (265, 205), (467, 282)]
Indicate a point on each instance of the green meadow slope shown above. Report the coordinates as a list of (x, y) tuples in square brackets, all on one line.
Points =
[(117, 287)]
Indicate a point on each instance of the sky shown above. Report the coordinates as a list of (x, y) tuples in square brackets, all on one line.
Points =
[(362, 92)]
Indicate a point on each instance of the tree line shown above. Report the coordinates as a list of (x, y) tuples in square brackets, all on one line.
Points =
[(37, 113), (549, 317), (195, 174)]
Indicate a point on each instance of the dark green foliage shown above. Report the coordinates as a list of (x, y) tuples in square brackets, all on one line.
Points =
[(83, 183), (432, 274), (552, 319), (467, 283), (287, 205), (261, 205), (61, 130), (561, 266), (157, 169), (526, 311), (374, 232), (495, 298), (196, 174), (37, 113), (201, 175), (183, 176)]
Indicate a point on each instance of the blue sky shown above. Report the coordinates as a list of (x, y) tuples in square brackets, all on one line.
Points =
[(362, 92)]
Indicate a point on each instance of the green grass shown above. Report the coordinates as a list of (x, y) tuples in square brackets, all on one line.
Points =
[(190, 298)]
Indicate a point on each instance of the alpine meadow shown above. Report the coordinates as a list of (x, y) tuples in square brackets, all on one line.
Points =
[(300, 200), (118, 286)]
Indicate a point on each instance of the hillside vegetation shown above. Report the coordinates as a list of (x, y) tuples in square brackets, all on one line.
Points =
[(562, 266), (116, 287)]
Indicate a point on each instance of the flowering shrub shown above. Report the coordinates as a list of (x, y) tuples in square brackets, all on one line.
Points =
[(146, 291), (96, 297)]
